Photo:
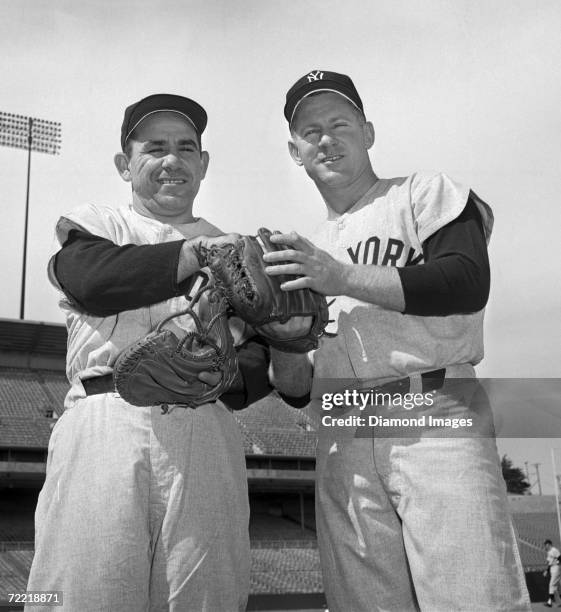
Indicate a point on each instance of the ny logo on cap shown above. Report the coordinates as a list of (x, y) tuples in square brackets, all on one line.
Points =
[(315, 76)]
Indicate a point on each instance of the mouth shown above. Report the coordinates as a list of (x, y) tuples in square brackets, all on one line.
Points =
[(331, 159), (171, 181)]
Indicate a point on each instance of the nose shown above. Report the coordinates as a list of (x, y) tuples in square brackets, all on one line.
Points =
[(327, 138), (170, 161)]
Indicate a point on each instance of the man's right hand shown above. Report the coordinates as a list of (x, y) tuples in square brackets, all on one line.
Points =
[(189, 261), (210, 241)]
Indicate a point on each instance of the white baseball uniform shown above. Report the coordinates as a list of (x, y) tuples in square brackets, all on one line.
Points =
[(554, 570), (419, 522), (140, 510)]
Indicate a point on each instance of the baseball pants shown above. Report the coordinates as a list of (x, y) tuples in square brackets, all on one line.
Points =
[(554, 578), (418, 522), (143, 511)]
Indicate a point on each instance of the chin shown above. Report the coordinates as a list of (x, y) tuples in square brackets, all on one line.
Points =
[(333, 180), (173, 202)]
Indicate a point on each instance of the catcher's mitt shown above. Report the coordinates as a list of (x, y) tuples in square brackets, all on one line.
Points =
[(163, 369), (257, 297)]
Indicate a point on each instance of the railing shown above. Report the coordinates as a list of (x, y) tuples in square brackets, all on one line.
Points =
[(265, 543), (17, 545)]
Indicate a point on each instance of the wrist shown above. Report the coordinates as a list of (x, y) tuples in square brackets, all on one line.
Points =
[(290, 373), (189, 261), (347, 279)]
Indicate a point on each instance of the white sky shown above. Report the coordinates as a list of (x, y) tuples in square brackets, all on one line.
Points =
[(463, 86)]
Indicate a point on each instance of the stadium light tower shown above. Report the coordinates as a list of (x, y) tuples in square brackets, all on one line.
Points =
[(33, 134)]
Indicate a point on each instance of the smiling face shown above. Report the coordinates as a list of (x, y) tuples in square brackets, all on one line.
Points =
[(165, 166), (331, 138)]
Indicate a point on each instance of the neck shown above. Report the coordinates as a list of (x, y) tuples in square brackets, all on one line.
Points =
[(340, 199), (155, 211)]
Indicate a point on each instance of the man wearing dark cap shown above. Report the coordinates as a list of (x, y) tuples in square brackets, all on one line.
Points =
[(414, 516), (143, 510)]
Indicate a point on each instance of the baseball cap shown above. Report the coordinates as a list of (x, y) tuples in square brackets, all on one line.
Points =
[(320, 80), (156, 103)]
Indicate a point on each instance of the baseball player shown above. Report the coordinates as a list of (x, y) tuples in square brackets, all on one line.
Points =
[(143, 510), (417, 519), (553, 570)]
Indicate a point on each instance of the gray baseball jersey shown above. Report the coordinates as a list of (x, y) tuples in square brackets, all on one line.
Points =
[(388, 226), (93, 342)]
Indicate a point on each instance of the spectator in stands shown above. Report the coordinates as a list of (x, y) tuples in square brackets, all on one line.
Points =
[(140, 509), (553, 570)]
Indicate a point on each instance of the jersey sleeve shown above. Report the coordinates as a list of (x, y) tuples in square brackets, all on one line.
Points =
[(455, 277), (88, 219), (436, 200), (98, 220), (103, 279)]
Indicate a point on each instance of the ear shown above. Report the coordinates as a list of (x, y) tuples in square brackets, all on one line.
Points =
[(121, 162), (369, 134), (294, 153), (205, 158)]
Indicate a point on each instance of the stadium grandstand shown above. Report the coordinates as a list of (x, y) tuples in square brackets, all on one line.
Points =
[(279, 444)]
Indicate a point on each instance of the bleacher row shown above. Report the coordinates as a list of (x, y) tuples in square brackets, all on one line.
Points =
[(285, 570), (271, 427), (267, 528), (16, 529), (278, 570), (27, 401), (14, 570), (29, 397), (533, 529), (30, 393), (284, 557)]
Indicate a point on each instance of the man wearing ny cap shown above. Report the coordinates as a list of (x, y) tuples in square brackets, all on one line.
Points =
[(415, 517), (143, 510)]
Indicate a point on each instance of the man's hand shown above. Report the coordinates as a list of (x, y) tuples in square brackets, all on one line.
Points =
[(315, 268), (190, 262), (210, 241), (290, 321), (296, 326), (210, 378)]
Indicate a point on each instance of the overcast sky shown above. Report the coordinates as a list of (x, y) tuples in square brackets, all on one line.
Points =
[(468, 87)]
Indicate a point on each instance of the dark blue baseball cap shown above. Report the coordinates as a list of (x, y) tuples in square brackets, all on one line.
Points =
[(156, 103), (320, 80)]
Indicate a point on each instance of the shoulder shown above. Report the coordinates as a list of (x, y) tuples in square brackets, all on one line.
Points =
[(207, 228), (93, 218), (436, 200), (198, 227), (435, 185)]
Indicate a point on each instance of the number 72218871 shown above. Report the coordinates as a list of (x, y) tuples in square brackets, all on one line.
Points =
[(52, 598)]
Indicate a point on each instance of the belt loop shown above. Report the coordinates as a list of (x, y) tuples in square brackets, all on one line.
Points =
[(415, 383)]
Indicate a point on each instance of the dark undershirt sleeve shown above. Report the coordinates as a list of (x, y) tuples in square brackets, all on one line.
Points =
[(455, 277), (253, 363), (103, 279), (295, 402)]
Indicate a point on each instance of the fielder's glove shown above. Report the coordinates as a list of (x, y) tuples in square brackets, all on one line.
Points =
[(163, 369), (257, 298)]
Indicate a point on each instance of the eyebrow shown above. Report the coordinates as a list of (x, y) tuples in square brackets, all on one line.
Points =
[(313, 121), (161, 143)]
